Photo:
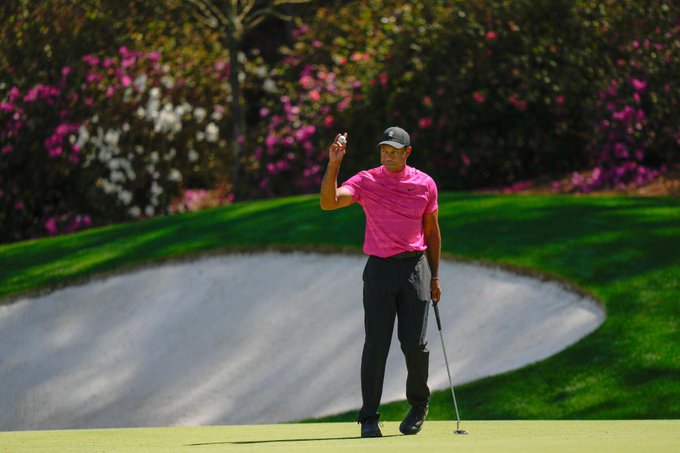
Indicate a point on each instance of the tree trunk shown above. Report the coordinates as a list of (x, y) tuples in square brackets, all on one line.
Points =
[(238, 117)]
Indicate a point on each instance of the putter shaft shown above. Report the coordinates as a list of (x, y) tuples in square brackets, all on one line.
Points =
[(448, 370)]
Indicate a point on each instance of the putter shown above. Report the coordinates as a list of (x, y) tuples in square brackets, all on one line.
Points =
[(448, 371)]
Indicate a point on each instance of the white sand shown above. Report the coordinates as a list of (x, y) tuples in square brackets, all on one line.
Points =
[(257, 338)]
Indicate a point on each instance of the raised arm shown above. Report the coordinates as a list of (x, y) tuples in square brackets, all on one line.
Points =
[(332, 196)]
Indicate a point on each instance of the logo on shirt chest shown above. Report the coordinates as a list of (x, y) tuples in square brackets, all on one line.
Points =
[(412, 190)]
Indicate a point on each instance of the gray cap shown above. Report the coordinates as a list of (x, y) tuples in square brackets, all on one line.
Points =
[(396, 137)]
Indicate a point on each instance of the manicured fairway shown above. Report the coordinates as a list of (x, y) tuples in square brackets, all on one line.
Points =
[(496, 436)]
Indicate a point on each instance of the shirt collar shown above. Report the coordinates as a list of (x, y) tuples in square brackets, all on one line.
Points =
[(398, 176)]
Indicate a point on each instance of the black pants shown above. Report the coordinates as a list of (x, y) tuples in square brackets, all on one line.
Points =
[(395, 288)]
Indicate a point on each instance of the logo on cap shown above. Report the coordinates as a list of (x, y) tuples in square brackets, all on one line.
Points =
[(396, 137)]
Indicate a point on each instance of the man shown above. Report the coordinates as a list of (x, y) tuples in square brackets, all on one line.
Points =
[(403, 242)]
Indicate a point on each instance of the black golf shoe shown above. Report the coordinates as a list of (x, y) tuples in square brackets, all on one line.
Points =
[(413, 422), (370, 426)]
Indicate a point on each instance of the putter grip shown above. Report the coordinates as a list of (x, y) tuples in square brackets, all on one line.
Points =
[(436, 314)]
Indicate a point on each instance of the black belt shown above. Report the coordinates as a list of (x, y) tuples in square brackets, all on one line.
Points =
[(406, 255)]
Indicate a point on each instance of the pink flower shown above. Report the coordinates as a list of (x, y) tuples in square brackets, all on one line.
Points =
[(6, 149), (153, 56), (625, 114), (306, 82), (126, 80), (559, 100), (270, 141), (517, 103), (109, 91), (92, 77), (478, 97), (383, 78), (490, 36), (620, 151), (19, 205), (51, 226), (328, 121), (264, 112), (316, 44), (425, 123), (638, 84), (314, 96), (91, 60), (14, 94)]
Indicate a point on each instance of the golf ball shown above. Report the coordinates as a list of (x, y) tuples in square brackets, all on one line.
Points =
[(342, 139)]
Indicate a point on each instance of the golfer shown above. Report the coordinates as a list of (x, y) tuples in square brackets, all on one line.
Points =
[(403, 244)]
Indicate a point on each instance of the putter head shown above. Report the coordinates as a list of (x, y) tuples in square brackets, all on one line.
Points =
[(460, 431)]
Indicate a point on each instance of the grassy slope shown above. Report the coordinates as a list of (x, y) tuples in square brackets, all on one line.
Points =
[(622, 250), (519, 436)]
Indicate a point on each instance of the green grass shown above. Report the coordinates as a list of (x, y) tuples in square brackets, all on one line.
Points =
[(622, 250), (507, 436)]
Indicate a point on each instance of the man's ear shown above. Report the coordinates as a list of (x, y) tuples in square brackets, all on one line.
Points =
[(408, 152)]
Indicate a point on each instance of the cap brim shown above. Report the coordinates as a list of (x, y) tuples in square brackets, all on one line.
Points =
[(391, 143)]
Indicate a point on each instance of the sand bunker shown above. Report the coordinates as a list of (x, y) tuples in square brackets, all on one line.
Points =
[(246, 339)]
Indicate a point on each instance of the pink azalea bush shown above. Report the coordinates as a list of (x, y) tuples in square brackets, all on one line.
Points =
[(115, 139), (637, 134)]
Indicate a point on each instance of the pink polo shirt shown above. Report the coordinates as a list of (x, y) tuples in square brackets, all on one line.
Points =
[(394, 204)]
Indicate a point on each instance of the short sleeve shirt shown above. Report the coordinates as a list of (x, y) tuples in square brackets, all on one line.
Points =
[(394, 205)]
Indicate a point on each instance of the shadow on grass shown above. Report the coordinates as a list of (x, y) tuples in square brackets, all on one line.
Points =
[(271, 441)]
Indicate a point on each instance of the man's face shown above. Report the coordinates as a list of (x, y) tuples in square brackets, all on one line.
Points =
[(392, 158)]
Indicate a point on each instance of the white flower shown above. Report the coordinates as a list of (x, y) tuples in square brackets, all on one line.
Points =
[(126, 127), (174, 175), (139, 149), (200, 136), (104, 155), (125, 197), (167, 81), (106, 186), (149, 211), (114, 164), (83, 136), (199, 114), (117, 176), (135, 211), (141, 113), (156, 190), (170, 154), (111, 137), (168, 121), (269, 86), (155, 93), (140, 82), (261, 71), (193, 155), (212, 132), (154, 157)]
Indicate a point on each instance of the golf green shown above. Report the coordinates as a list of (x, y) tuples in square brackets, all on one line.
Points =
[(437, 436)]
